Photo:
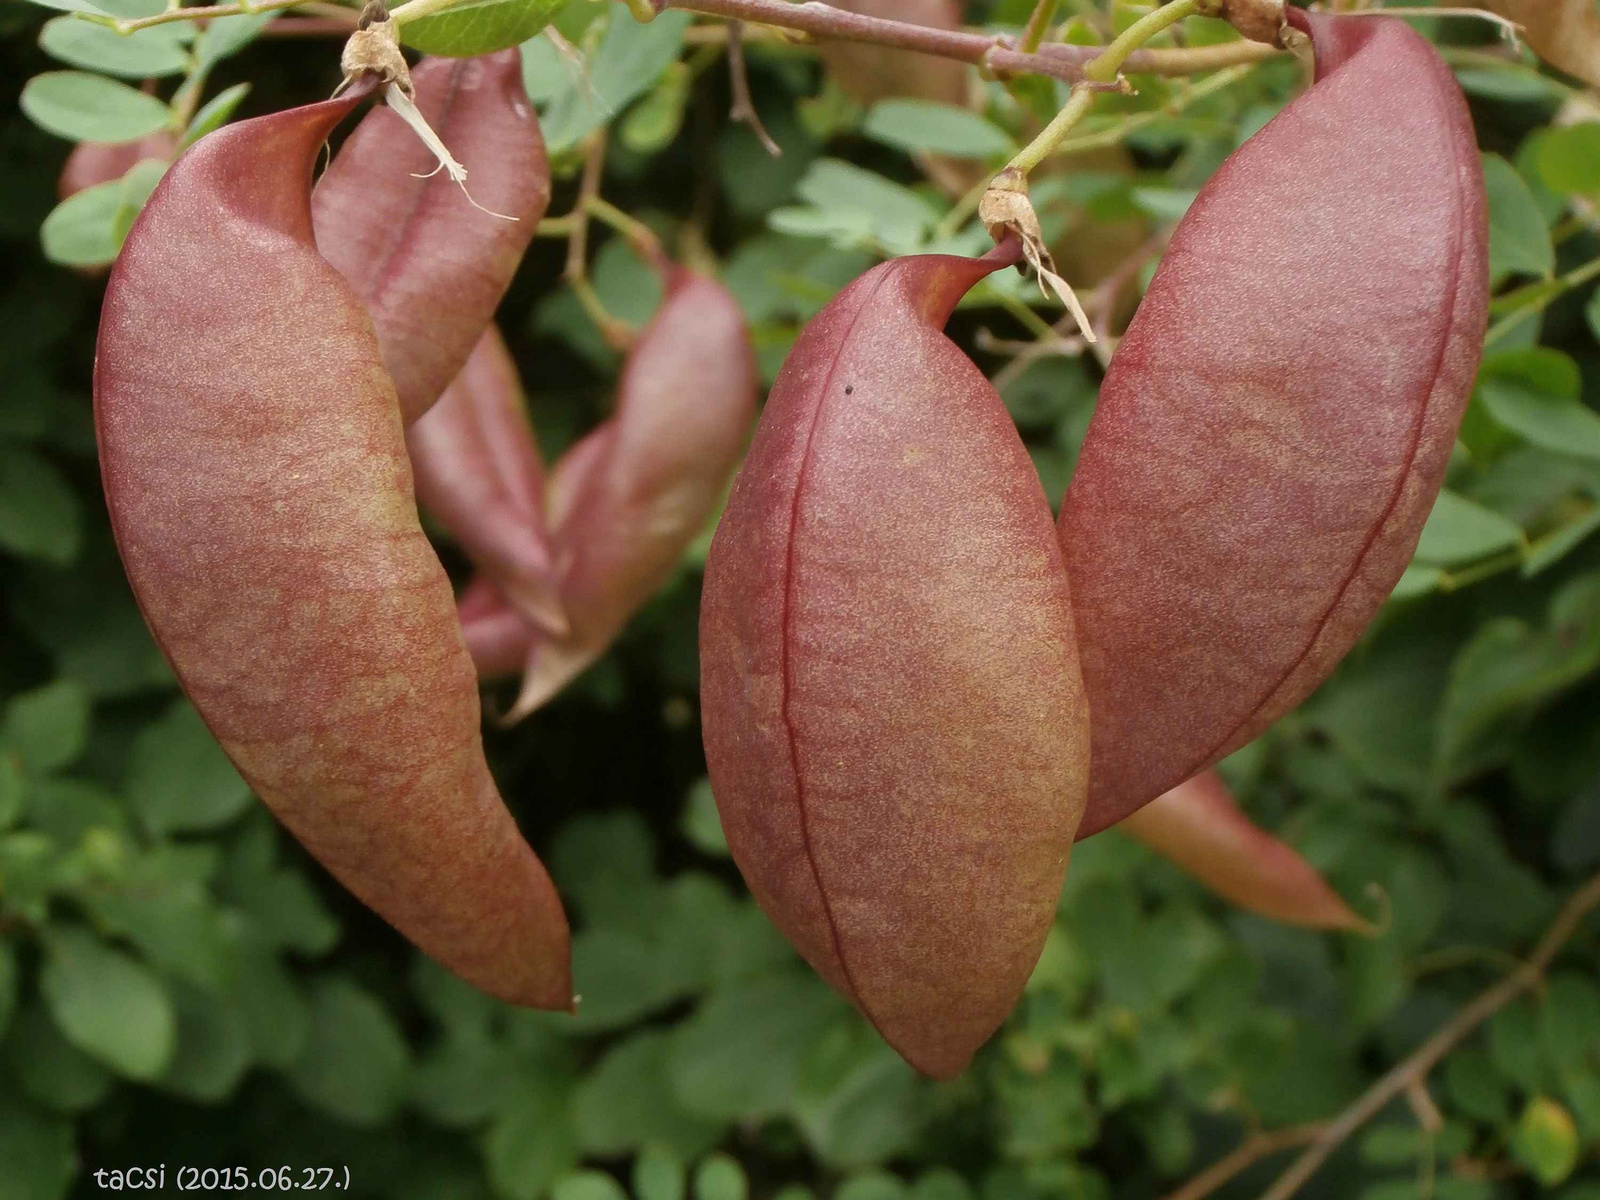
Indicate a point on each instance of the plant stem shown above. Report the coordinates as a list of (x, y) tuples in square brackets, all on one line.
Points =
[(1252, 1150), (1044, 12), (1427, 1056), (133, 25), (1103, 68), (1563, 284)]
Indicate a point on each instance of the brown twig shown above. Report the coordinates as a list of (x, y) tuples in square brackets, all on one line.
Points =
[(1427, 1056), (297, 27), (1252, 1150), (617, 333), (996, 53), (742, 109)]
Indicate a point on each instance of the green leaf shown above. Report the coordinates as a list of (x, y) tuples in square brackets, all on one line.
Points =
[(107, 1004), (1569, 159), (700, 822), (1519, 239), (587, 1185), (479, 27), (355, 1064), (1475, 1088), (48, 727), (179, 780), (873, 1185), (1555, 545), (631, 58), (1535, 393), (941, 1183), (1569, 1021), (619, 977), (857, 1102), (40, 515), (862, 199), (653, 122), (1164, 204), (37, 1157), (11, 789), (720, 1177), (10, 985), (215, 113), (463, 1080), (147, 53), (658, 1174), (226, 36), (1459, 531), (738, 1058), (50, 1070), (531, 1143), (1507, 668), (604, 864), (1545, 1140), (81, 231), (625, 1102), (935, 128), (91, 108), (213, 1051)]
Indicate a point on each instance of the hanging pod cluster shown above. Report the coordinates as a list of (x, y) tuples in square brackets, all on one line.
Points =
[(917, 692), (253, 365), (281, 376)]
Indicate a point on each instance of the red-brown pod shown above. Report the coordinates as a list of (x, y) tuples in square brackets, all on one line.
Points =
[(628, 498), (1199, 827), (478, 472), (1276, 423), (429, 265), (893, 716), (256, 476)]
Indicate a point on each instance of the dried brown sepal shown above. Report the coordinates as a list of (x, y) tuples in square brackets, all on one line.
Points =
[(1006, 209), (374, 48), (1256, 20)]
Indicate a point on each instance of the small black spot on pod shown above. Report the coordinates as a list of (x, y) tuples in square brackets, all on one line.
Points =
[(849, 388)]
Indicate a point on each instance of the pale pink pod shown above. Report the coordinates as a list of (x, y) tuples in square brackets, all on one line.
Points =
[(429, 265), (1199, 827), (256, 476)]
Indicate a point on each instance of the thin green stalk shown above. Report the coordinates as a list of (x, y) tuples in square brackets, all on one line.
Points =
[(1101, 69), (1039, 22)]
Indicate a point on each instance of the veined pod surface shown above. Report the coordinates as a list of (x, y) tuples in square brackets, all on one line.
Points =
[(626, 500), (430, 267), (1276, 423), (1199, 828), (478, 471), (256, 475), (893, 715)]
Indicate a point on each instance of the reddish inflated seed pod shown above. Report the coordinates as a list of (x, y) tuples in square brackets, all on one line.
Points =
[(429, 265), (1199, 827), (627, 499), (478, 472), (1276, 422), (893, 715), (257, 481)]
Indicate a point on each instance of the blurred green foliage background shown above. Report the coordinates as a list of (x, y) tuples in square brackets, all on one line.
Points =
[(180, 985)]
